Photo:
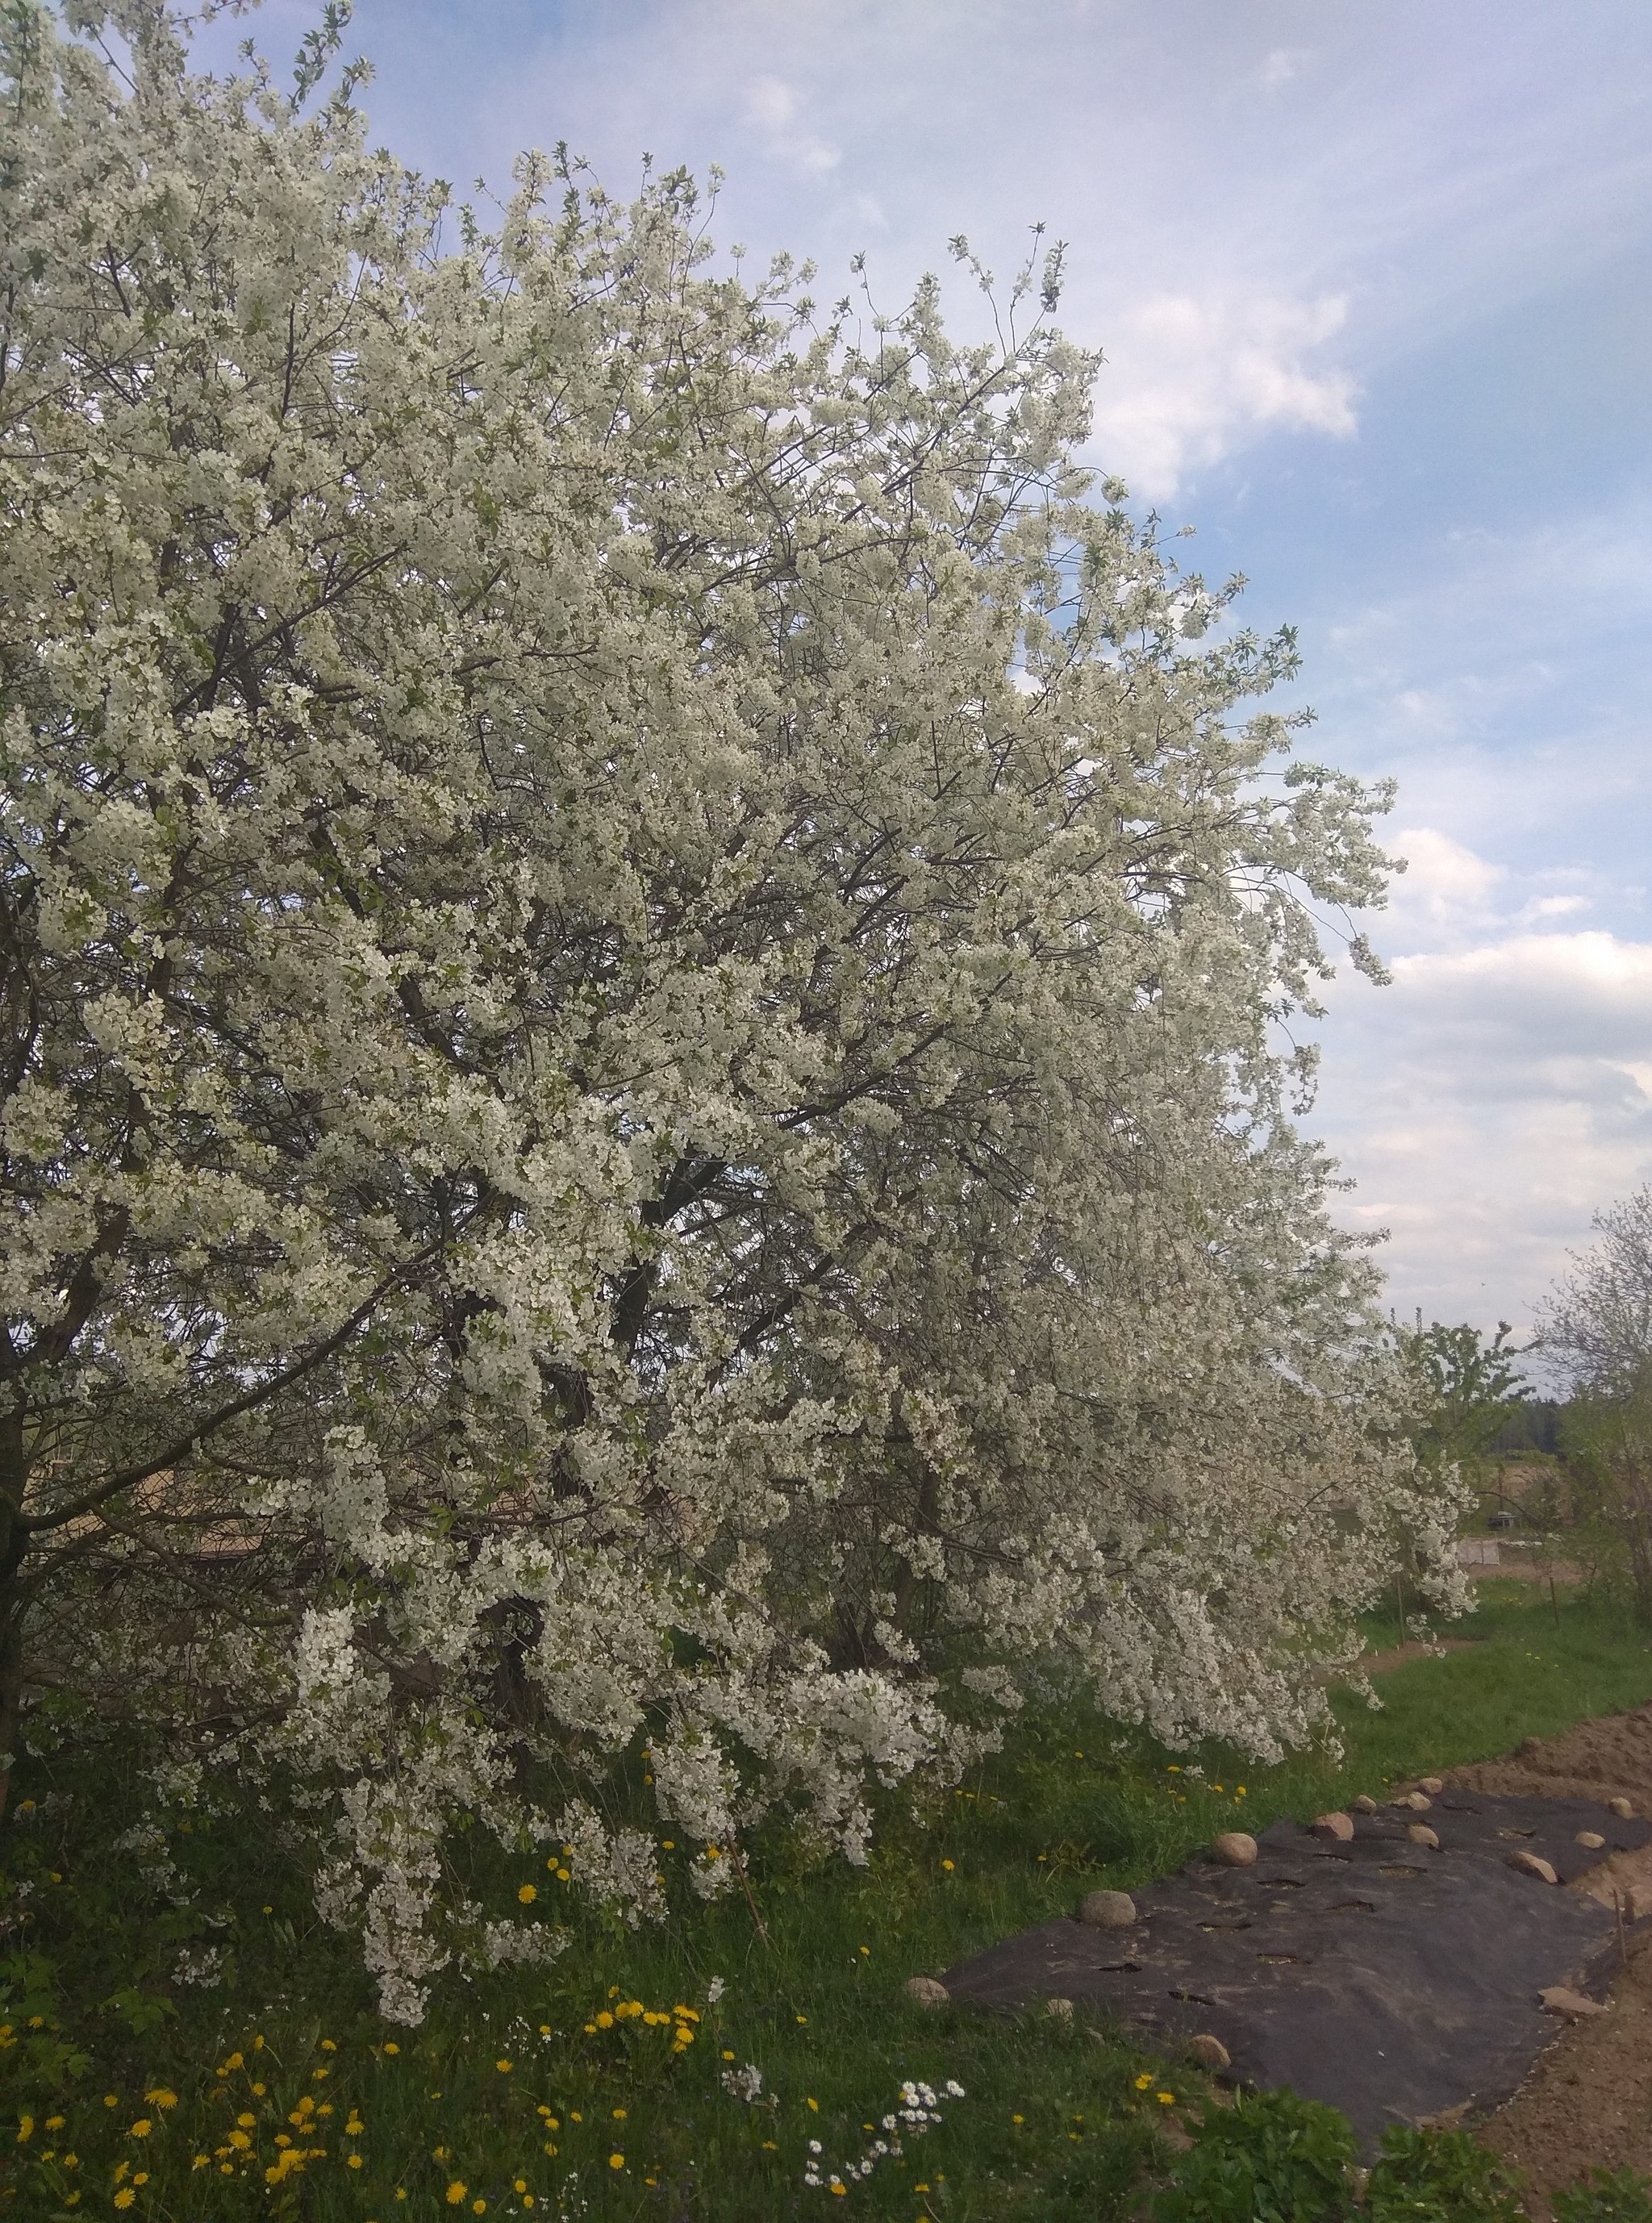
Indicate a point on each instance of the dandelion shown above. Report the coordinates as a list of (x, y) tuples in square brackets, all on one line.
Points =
[(142, 2128), (126, 2197), (1142, 2083), (392, 2047), (1165, 2099), (527, 1894), (947, 1865), (616, 2161), (454, 2193), (605, 2020), (25, 2129), (504, 2067)]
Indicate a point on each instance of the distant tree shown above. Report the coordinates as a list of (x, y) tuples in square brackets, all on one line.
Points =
[(642, 1158), (1465, 1389), (1596, 1332)]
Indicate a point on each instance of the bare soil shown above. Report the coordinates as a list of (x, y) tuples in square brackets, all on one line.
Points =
[(1588, 2101)]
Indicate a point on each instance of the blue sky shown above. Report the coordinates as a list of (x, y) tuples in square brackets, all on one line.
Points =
[(1373, 279)]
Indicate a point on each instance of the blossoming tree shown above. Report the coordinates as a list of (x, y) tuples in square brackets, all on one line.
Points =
[(641, 961)]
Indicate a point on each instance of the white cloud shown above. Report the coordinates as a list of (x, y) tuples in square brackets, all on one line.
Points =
[(1443, 880), (1487, 1105), (1188, 378), (773, 106), (1281, 66)]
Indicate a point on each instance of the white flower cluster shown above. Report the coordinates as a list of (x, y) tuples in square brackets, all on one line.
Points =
[(642, 1156), (917, 2107)]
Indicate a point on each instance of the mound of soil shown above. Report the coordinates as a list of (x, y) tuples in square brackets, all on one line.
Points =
[(1587, 2102)]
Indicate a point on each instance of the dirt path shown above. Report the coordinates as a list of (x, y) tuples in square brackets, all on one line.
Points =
[(1588, 2102)]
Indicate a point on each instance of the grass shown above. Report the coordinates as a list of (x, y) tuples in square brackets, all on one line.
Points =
[(591, 2088)]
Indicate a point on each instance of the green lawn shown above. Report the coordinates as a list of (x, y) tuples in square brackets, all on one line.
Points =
[(569, 2092)]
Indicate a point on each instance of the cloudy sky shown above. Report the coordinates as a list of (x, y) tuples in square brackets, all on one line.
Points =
[(1371, 280)]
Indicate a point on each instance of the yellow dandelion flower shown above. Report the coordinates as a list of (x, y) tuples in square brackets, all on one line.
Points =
[(504, 2067), (616, 2161), (246, 2121), (55, 2122), (328, 2046), (947, 1865), (454, 2193), (142, 2128), (353, 2161), (478, 2207), (527, 1894), (1142, 2083), (605, 2020), (520, 2185), (25, 2129), (126, 2197), (813, 2106), (392, 2047), (1018, 2119), (1165, 2099)]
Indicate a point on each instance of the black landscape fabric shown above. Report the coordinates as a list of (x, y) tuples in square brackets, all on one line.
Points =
[(1391, 1980)]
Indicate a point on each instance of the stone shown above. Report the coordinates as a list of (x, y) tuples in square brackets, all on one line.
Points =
[(1059, 2010), (1591, 1839), (1334, 1825), (1421, 1834), (1208, 2052), (1533, 1864), (926, 1991), (1624, 1808), (1234, 1847), (1560, 2000), (1433, 1785), (1364, 1803), (1107, 1910), (1416, 1801)]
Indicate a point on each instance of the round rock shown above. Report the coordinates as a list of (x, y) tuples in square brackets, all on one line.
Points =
[(1235, 1849), (1208, 2052), (1060, 2010), (1624, 1808), (1107, 1910), (1433, 1785), (1561, 1999), (1591, 1839), (1415, 1800), (1421, 1834), (1364, 1803), (1533, 1864), (926, 1991), (1338, 1826)]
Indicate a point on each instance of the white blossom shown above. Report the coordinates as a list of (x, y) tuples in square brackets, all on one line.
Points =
[(638, 1100)]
